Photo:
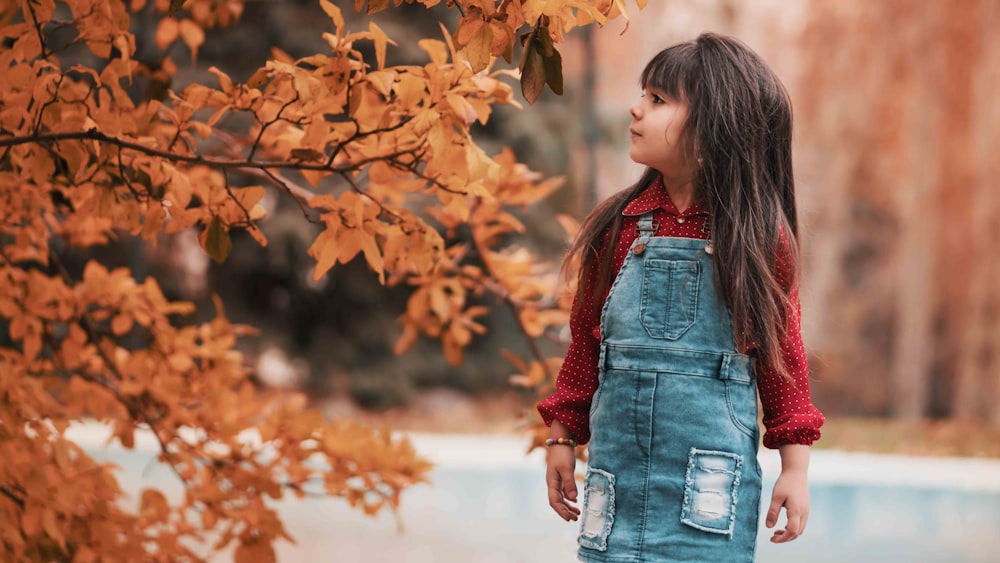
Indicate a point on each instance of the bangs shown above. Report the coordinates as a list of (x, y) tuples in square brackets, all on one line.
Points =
[(672, 71)]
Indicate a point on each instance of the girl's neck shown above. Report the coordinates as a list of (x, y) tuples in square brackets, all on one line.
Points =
[(682, 192)]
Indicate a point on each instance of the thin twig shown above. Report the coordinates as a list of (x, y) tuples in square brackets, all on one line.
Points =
[(299, 194), (264, 126), (354, 186), (38, 29), (229, 190)]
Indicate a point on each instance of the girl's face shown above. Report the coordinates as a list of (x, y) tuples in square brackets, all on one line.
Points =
[(657, 133)]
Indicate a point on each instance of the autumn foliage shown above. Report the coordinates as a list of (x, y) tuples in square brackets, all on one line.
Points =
[(379, 157)]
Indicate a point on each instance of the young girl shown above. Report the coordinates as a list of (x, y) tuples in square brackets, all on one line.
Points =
[(687, 306)]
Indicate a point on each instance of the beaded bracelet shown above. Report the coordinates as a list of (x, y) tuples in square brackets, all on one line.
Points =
[(561, 442)]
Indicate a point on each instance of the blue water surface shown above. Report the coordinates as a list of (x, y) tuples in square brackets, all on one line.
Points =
[(487, 514)]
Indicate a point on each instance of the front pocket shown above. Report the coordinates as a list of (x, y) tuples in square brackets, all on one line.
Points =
[(598, 509), (710, 490), (742, 401), (669, 297)]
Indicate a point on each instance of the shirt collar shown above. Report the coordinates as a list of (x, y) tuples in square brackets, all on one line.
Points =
[(656, 197)]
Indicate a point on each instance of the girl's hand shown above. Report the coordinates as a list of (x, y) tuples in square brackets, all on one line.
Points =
[(561, 480), (791, 490)]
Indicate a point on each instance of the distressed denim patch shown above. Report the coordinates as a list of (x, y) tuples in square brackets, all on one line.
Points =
[(710, 490), (598, 509)]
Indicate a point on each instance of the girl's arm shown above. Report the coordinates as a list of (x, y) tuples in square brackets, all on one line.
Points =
[(791, 491), (792, 421)]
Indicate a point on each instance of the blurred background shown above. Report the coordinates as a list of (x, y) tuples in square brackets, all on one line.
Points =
[(896, 136)]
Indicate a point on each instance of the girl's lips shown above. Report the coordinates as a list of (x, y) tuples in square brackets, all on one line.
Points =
[(634, 133)]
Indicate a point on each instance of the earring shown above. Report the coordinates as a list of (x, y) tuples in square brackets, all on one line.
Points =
[(701, 162)]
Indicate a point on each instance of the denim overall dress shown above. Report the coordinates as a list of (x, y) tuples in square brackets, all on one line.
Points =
[(672, 472)]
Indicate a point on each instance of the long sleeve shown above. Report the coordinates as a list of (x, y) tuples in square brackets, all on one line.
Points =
[(577, 379), (789, 414)]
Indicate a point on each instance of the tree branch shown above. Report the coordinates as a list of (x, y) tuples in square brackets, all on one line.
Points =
[(12, 496), (95, 135)]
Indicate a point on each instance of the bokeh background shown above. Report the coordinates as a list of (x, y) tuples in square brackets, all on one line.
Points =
[(897, 131)]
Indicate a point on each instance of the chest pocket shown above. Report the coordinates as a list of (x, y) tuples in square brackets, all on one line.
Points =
[(669, 297)]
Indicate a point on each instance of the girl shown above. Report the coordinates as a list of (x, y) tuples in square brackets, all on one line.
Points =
[(687, 306)]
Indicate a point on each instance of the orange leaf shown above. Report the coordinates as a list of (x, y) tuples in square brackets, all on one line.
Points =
[(380, 39), (193, 35), (121, 324), (405, 340), (225, 82), (468, 26), (452, 349), (153, 505), (372, 255), (334, 13), (258, 78), (216, 240), (503, 41), (52, 528), (208, 518), (437, 50), (377, 5), (254, 551), (324, 250), (167, 32), (479, 48)]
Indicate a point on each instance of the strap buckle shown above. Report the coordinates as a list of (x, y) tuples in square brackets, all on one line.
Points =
[(652, 230)]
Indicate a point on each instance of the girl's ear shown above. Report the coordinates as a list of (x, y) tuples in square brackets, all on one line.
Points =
[(691, 145), (696, 150)]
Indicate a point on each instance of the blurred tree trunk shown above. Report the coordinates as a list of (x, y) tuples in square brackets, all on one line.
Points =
[(913, 346), (987, 133), (959, 36)]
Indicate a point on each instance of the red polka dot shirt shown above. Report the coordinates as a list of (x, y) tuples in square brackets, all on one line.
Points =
[(789, 415)]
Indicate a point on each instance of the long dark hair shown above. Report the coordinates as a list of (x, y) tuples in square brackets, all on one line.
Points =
[(740, 124)]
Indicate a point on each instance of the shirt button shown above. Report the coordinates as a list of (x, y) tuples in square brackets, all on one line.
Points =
[(639, 249), (680, 219)]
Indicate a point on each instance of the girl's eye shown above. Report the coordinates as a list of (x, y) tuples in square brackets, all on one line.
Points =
[(657, 99)]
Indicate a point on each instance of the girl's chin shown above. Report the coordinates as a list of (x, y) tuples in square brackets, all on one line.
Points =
[(636, 157)]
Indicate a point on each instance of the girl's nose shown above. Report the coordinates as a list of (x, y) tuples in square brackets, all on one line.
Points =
[(634, 110)]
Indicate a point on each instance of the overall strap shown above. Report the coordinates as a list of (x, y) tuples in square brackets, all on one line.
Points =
[(647, 228)]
